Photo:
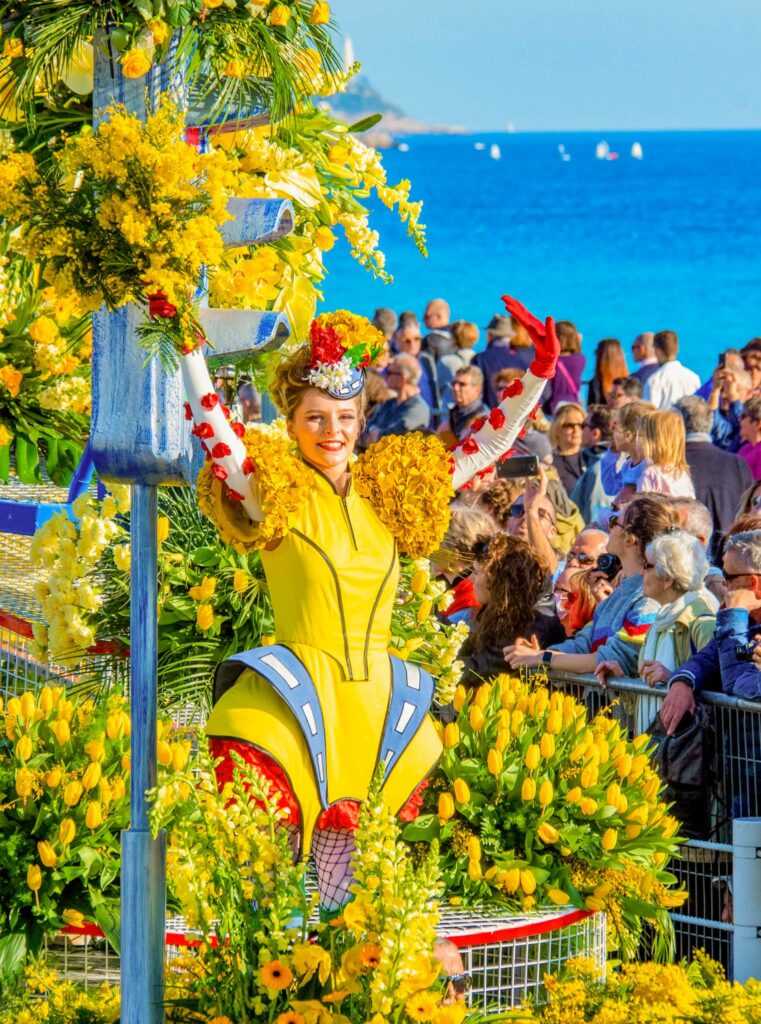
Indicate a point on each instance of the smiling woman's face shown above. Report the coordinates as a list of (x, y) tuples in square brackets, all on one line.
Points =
[(325, 429)]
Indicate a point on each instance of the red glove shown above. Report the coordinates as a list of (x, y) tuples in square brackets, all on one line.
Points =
[(546, 345)]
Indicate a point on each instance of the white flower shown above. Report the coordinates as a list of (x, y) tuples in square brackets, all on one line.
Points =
[(331, 376)]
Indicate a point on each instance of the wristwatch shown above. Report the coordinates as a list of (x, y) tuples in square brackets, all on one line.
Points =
[(547, 657)]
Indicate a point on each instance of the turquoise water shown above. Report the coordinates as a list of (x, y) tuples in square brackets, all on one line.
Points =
[(618, 246)]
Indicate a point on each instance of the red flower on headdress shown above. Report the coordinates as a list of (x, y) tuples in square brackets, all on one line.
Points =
[(326, 345)]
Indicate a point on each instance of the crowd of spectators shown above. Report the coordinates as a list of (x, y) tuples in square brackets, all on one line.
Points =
[(633, 548)]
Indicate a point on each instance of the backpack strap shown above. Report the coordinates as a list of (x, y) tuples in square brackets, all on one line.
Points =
[(288, 676), (411, 695)]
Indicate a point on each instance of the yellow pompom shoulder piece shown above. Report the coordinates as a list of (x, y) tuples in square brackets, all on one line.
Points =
[(407, 479), (282, 486)]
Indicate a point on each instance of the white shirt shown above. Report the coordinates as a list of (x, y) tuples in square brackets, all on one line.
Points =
[(673, 381)]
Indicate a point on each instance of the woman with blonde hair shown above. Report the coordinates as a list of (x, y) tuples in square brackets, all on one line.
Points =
[(565, 438), (661, 442)]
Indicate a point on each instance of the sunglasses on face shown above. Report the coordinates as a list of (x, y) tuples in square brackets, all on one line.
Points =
[(516, 511), (580, 559), (459, 982), (756, 501), (573, 426), (735, 575)]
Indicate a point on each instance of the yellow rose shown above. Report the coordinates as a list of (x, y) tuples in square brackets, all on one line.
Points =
[(205, 616), (280, 15), (47, 854), (494, 762), (451, 735), (34, 877), (44, 330), (461, 791), (72, 792), (240, 581), (94, 815), (446, 806), (91, 777), (135, 63), (66, 831), (320, 13), (159, 30)]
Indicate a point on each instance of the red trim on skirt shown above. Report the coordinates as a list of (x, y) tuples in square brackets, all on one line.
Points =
[(341, 814)]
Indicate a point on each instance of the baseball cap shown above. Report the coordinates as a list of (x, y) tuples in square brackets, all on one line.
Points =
[(501, 326)]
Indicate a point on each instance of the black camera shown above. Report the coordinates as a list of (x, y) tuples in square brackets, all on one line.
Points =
[(744, 652), (609, 565)]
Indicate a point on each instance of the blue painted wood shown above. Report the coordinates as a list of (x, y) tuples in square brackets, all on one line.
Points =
[(82, 478), (257, 220), (24, 518), (237, 333)]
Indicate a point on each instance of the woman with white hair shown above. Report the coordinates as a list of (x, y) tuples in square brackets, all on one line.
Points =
[(674, 573)]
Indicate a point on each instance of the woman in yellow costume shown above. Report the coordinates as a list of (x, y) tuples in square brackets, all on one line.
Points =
[(322, 707)]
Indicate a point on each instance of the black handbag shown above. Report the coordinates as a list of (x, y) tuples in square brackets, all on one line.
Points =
[(686, 764)]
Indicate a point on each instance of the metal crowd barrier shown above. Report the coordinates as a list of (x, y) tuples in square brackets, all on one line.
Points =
[(708, 920)]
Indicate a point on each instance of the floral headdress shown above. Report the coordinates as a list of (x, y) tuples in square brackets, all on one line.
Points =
[(342, 346)]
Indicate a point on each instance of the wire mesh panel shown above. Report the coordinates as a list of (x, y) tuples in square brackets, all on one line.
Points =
[(507, 957)]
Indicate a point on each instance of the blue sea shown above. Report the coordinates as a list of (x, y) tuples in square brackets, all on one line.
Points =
[(618, 246)]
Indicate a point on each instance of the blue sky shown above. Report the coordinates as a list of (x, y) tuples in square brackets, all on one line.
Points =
[(563, 64)]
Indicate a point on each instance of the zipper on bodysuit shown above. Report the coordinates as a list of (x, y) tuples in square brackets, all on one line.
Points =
[(348, 523)]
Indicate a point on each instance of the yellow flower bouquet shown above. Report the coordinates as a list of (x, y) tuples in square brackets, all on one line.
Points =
[(64, 795), (534, 805)]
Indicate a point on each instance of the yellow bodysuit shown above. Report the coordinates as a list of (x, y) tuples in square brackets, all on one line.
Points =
[(332, 578)]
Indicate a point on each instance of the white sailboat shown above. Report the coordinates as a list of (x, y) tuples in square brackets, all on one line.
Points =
[(602, 150), (495, 152), (479, 145), (636, 150)]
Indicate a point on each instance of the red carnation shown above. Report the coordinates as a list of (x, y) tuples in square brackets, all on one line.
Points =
[(209, 401), (477, 424), (470, 446), (497, 418), (233, 495), (249, 466), (237, 428), (203, 430), (221, 449), (159, 305), (219, 471), (515, 387), (326, 345), (188, 411)]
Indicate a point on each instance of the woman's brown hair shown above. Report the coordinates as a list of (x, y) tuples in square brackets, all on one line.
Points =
[(568, 337), (515, 579), (610, 362), (648, 517), (288, 384)]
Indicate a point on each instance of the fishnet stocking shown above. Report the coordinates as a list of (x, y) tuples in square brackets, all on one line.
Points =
[(333, 851)]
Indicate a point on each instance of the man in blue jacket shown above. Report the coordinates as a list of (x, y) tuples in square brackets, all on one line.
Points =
[(726, 664)]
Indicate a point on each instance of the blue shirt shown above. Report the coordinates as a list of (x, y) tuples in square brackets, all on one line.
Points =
[(392, 417)]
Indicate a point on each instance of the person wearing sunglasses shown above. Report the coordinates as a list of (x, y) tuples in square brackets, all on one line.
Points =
[(620, 623), (586, 549), (565, 437), (533, 517)]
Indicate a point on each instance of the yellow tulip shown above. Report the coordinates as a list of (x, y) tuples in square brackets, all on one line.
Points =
[(546, 793), (460, 696), (531, 760), (640, 741), (548, 833), (671, 827), (115, 726), (613, 794), (474, 871), (95, 749), (46, 699), (451, 735), (558, 897), (94, 815), (483, 693), (528, 882), (494, 762), (503, 738), (446, 806), (474, 848), (633, 831), (516, 720), (512, 880), (47, 854), (126, 762), (280, 15), (594, 903), (34, 877), (73, 917), (320, 13), (91, 777), (180, 756), (106, 793), (461, 791), (477, 720), (54, 776), (61, 731), (622, 805), (554, 722), (547, 745), (118, 788), (589, 776), (587, 805), (609, 839), (24, 783), (241, 580), (135, 64), (573, 795), (28, 705), (419, 581), (24, 748), (638, 815), (162, 526), (603, 750), (205, 616), (651, 787), (425, 609), (528, 789), (660, 858), (623, 765), (164, 752), (72, 792)]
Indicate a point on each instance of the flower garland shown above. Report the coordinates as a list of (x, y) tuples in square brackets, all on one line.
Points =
[(533, 805), (407, 478)]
